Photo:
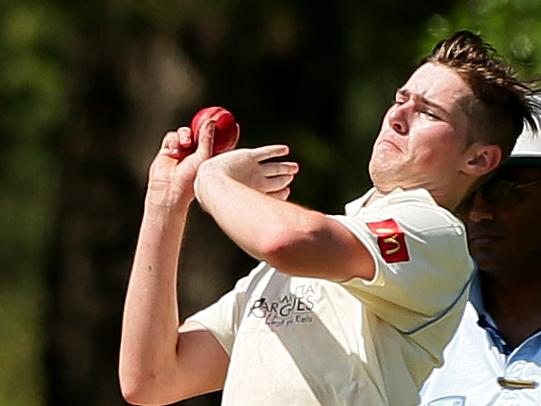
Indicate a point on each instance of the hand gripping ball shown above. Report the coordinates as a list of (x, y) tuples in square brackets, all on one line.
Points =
[(226, 135)]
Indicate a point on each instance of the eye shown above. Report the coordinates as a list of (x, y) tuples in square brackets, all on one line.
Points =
[(430, 115), (397, 102)]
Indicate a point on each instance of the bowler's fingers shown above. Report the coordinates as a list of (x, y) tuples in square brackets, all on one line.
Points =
[(276, 175), (185, 137), (175, 143), (275, 183), (270, 151), (282, 180), (281, 194), (170, 144), (205, 140), (271, 169)]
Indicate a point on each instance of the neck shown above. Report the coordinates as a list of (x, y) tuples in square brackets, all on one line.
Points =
[(378, 194), (442, 197), (513, 304)]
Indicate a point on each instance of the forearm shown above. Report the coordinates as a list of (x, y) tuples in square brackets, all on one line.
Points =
[(150, 322), (296, 240), (251, 219)]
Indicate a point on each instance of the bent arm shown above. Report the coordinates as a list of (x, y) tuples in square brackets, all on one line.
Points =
[(296, 240), (160, 362)]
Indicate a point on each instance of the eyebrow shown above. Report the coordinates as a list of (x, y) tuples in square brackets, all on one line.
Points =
[(424, 100)]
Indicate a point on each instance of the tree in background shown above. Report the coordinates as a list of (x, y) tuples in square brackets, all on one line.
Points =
[(88, 89), (512, 27), (34, 102)]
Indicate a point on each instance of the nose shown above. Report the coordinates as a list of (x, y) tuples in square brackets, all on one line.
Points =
[(480, 209), (399, 117)]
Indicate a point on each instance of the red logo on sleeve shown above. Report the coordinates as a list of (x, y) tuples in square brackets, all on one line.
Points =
[(391, 242)]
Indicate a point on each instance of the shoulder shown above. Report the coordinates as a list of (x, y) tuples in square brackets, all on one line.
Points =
[(418, 208), (416, 205), (413, 212)]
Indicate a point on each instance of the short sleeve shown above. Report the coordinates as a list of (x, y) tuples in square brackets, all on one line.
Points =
[(422, 262), (222, 318)]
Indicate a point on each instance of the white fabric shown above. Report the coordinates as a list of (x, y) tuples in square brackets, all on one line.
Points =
[(305, 341), (528, 145), (473, 363)]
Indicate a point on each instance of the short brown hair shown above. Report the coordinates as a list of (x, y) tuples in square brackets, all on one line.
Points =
[(502, 103)]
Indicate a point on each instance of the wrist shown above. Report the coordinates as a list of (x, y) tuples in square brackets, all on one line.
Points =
[(204, 180), (163, 196)]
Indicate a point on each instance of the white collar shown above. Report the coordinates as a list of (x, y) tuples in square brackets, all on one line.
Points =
[(398, 195)]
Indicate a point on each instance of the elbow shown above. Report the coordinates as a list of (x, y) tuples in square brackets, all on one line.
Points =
[(133, 398), (136, 390), (274, 250), (131, 391), (284, 246)]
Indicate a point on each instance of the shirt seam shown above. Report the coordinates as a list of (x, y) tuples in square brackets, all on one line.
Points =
[(443, 313)]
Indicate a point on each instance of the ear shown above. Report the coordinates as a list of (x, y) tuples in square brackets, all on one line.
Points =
[(482, 159)]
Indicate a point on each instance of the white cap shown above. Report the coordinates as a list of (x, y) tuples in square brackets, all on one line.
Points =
[(528, 145), (527, 149)]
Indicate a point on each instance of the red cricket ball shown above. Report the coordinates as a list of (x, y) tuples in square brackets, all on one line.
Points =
[(226, 135)]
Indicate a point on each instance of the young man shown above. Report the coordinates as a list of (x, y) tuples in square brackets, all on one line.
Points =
[(352, 309), (495, 356)]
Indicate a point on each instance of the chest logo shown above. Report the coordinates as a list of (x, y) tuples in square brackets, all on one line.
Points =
[(391, 241), (295, 307)]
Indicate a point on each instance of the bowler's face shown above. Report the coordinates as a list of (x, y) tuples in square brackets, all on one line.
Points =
[(423, 135)]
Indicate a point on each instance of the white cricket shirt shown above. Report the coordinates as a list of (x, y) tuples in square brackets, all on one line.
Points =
[(306, 341)]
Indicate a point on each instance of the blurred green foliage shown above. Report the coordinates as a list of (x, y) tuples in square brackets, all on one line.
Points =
[(513, 27), (316, 75), (33, 100)]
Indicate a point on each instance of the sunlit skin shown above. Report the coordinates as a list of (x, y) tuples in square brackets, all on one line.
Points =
[(423, 137), (506, 244), (245, 191)]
